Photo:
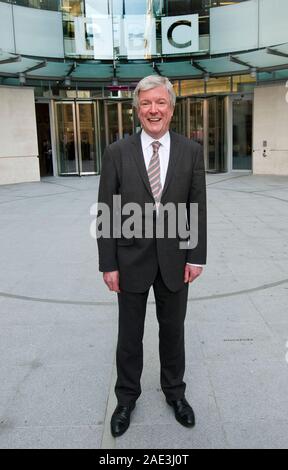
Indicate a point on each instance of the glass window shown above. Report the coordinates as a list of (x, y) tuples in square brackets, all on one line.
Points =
[(53, 5), (240, 82), (219, 85), (176, 87), (216, 160), (68, 29), (131, 7), (98, 7), (118, 6), (182, 7), (192, 87), (158, 7), (197, 120), (73, 7), (135, 7)]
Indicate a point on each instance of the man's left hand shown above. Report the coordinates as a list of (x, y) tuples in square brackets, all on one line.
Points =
[(191, 273)]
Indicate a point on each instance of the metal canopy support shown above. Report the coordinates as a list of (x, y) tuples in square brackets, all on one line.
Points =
[(198, 66), (276, 52), (72, 68), (156, 68), (67, 79), (239, 62), (16, 58), (36, 67)]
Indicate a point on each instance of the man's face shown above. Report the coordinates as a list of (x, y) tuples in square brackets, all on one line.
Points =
[(155, 111)]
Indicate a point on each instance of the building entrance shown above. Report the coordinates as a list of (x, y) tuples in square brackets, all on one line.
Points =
[(77, 137), (85, 128), (203, 120), (120, 120), (44, 139)]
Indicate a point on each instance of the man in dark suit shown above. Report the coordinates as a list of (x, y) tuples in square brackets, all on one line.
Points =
[(153, 168)]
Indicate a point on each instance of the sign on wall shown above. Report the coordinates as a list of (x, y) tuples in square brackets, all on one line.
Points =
[(134, 36), (94, 37), (140, 36), (180, 34)]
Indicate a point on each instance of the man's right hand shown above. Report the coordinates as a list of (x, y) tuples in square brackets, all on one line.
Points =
[(112, 281)]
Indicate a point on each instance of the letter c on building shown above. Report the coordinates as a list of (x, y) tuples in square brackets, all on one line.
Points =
[(171, 30)]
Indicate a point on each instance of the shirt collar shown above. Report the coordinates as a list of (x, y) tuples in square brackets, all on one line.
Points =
[(147, 139)]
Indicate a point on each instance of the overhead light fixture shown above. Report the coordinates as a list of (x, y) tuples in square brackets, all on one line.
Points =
[(253, 72), (22, 78), (67, 81), (206, 77)]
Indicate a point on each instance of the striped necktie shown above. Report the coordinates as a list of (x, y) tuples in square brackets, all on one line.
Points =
[(154, 172)]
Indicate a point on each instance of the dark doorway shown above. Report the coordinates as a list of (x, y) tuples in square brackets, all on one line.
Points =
[(44, 139), (242, 133)]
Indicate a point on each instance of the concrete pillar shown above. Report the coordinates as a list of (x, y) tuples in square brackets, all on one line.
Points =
[(270, 130), (18, 136)]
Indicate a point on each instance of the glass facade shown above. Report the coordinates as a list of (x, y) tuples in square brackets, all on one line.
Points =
[(85, 128), (52, 5), (111, 29), (160, 7), (90, 113), (132, 29)]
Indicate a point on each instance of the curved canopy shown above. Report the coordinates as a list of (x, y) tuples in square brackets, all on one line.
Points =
[(262, 60)]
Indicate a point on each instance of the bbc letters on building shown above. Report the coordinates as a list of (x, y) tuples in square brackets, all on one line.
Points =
[(135, 35)]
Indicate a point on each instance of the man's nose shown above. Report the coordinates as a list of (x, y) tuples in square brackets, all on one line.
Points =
[(153, 108)]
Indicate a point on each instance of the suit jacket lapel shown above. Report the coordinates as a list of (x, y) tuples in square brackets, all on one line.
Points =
[(139, 159)]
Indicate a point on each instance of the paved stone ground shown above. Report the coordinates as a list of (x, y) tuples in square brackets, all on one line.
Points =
[(58, 324)]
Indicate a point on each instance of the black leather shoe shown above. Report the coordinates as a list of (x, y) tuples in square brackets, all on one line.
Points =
[(183, 412), (121, 419)]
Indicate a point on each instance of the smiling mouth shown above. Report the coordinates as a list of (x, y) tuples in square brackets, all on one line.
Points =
[(154, 119)]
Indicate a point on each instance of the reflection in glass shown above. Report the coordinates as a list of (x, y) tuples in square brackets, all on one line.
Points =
[(242, 134), (97, 7), (118, 7), (219, 85), (192, 87), (66, 138), (112, 128), (119, 120), (73, 7), (136, 7), (52, 5), (101, 132), (140, 37), (179, 117), (216, 134), (87, 137), (241, 82), (197, 121), (127, 119)]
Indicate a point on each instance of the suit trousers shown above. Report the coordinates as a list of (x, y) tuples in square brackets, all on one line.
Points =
[(171, 311)]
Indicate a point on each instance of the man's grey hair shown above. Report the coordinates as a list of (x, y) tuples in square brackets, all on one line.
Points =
[(154, 81)]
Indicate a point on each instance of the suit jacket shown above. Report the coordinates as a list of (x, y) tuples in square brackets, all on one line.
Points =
[(124, 173)]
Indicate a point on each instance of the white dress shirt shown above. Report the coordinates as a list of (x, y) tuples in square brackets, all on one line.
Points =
[(164, 155)]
